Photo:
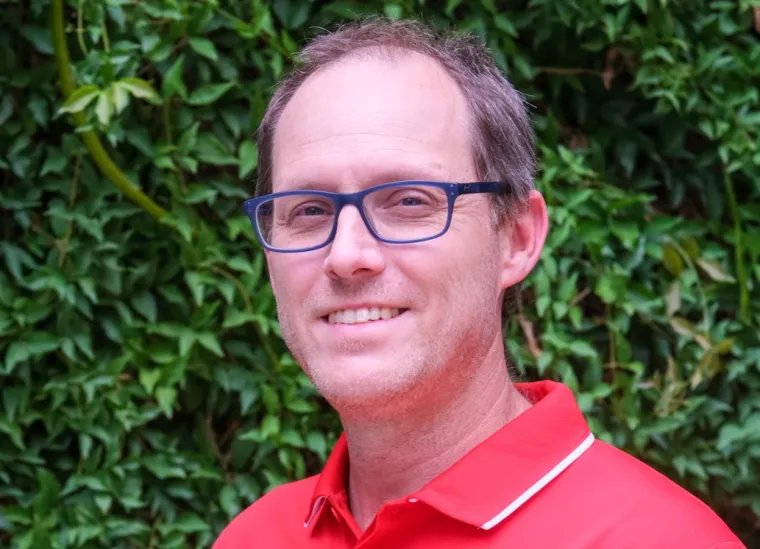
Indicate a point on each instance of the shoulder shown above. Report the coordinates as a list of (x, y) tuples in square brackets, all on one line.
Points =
[(645, 505), (271, 518)]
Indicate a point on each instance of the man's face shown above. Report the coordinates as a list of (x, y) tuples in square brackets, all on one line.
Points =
[(357, 124)]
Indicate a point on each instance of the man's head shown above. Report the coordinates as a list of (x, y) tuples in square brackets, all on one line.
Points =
[(378, 102)]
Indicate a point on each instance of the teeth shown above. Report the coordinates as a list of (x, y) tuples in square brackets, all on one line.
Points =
[(359, 316), (362, 315)]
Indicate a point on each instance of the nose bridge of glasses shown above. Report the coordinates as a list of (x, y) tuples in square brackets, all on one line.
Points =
[(359, 214)]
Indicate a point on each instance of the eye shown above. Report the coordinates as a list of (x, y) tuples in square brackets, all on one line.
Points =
[(411, 201), (310, 210), (410, 198)]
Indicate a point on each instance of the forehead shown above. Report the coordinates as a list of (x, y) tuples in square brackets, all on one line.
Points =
[(371, 119)]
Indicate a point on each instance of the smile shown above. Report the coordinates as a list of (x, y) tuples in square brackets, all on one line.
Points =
[(365, 314)]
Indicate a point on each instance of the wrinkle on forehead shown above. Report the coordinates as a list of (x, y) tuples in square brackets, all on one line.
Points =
[(361, 113)]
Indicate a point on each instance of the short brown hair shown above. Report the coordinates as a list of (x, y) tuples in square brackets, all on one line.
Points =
[(501, 133)]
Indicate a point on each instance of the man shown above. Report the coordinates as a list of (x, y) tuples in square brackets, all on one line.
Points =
[(390, 295)]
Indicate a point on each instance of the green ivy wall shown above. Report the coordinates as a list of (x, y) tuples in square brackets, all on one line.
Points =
[(146, 396)]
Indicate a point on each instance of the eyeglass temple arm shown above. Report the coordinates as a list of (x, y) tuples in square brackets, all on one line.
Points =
[(483, 187)]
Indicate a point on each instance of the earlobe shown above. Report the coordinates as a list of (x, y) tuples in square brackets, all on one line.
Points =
[(524, 240)]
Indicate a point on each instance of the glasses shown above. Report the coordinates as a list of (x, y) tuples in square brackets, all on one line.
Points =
[(403, 212)]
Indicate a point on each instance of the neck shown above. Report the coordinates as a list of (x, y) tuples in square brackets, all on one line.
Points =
[(391, 457)]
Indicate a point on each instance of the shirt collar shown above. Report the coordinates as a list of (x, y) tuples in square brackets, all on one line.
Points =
[(500, 474)]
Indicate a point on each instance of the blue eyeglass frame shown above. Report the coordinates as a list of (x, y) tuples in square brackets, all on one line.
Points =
[(453, 191)]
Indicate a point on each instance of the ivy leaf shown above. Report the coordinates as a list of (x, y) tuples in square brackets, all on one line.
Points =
[(236, 318), (672, 259), (228, 500), (292, 13), (40, 37), (186, 341), (196, 285), (138, 88), (715, 271), (210, 342), (47, 495), (673, 298), (6, 108), (451, 5), (315, 441), (16, 353), (270, 426), (103, 502), (104, 108), (118, 96), (243, 264), (145, 304), (166, 398), (204, 47), (14, 432), (209, 93), (393, 11), (685, 328), (149, 378), (210, 150), (41, 343), (173, 80), (270, 398), (15, 259), (189, 523), (54, 163), (248, 158), (583, 349), (292, 438), (79, 99), (300, 406), (627, 232), (609, 287), (161, 467), (505, 25)]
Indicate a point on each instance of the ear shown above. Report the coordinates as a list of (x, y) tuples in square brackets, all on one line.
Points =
[(523, 240)]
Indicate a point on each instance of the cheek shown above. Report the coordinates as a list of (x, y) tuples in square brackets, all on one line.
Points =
[(291, 280), (473, 272), (449, 276), (471, 253)]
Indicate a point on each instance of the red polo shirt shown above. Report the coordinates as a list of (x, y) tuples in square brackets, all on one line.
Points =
[(541, 482)]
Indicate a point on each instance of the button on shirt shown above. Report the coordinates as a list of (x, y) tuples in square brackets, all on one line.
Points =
[(541, 482)]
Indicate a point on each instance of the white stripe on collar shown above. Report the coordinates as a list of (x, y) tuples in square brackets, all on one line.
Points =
[(318, 503), (540, 483)]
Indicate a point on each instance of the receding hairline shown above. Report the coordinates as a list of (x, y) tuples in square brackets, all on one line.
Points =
[(392, 54), (498, 127)]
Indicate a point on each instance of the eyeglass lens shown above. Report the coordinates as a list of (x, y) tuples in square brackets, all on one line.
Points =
[(403, 213)]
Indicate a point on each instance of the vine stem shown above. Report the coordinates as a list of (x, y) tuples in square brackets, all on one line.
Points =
[(80, 30), (741, 274), (89, 137), (64, 244), (249, 308), (702, 294)]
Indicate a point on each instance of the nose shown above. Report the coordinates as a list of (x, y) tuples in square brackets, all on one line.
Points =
[(354, 253)]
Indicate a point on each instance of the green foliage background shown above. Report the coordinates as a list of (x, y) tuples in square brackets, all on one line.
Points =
[(146, 395)]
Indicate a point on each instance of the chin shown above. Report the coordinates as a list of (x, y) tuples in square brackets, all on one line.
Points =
[(351, 383)]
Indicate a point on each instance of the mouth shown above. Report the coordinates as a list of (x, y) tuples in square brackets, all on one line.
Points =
[(363, 315)]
